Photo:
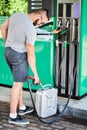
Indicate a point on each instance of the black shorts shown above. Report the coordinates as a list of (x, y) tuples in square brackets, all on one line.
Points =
[(18, 64)]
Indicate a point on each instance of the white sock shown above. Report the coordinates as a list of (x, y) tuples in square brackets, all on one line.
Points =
[(22, 107), (13, 115)]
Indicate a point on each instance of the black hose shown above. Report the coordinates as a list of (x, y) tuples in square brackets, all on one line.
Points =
[(60, 67), (58, 115)]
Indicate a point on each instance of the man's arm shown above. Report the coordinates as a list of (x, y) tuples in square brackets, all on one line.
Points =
[(32, 60), (4, 29)]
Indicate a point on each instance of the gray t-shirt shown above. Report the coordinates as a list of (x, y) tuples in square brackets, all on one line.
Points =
[(20, 31)]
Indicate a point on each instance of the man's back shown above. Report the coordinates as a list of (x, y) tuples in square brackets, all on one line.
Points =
[(20, 32)]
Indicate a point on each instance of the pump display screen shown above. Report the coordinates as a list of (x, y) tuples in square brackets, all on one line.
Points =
[(76, 11)]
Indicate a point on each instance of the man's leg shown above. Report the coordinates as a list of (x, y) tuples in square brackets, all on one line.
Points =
[(20, 102), (14, 96), (22, 108)]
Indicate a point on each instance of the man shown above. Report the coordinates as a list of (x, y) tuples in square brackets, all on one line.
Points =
[(19, 33)]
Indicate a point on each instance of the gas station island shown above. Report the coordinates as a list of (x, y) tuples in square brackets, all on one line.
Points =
[(61, 58)]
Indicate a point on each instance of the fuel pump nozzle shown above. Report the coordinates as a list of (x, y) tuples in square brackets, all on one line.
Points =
[(65, 33), (67, 24)]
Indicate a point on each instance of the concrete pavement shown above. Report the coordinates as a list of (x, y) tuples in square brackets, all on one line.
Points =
[(67, 122)]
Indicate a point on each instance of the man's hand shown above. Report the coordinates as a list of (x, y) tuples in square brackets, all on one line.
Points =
[(56, 31), (37, 80)]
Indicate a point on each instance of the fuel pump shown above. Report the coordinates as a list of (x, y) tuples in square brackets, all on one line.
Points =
[(67, 45), (63, 34)]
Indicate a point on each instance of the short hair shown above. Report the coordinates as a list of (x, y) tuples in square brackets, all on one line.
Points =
[(47, 13), (46, 10)]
